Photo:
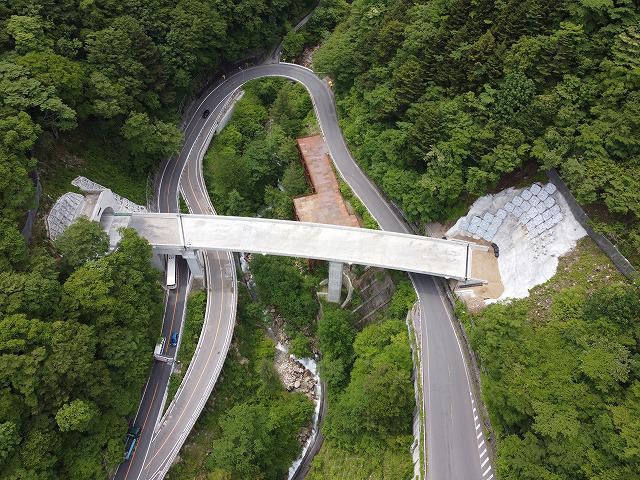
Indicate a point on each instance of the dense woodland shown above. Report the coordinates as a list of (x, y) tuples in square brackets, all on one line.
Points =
[(75, 343), (446, 100), (369, 376), (561, 375), (250, 425), (253, 166), (442, 99), (124, 68), (77, 326)]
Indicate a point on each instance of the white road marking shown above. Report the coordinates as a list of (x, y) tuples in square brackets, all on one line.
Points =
[(480, 444), (483, 452), (487, 471), (484, 463), (376, 193)]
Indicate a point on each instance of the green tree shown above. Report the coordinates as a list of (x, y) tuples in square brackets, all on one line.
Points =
[(336, 333), (82, 242), (294, 180), (126, 71), (27, 33), (57, 71), (75, 416), (280, 283), (9, 439), (292, 45), (150, 141), (335, 336), (18, 132), (375, 409), (13, 250), (251, 441), (31, 293), (22, 92)]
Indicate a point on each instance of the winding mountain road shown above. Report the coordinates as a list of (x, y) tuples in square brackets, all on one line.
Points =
[(454, 441)]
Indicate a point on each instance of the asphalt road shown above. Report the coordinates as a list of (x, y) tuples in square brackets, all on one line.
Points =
[(454, 443), (453, 434), (155, 388), (212, 348)]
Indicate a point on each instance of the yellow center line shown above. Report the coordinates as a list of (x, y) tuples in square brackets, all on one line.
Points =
[(141, 430), (183, 410), (173, 172), (173, 316), (215, 337), (202, 210)]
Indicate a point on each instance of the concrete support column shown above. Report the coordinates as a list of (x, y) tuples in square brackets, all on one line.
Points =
[(335, 282), (193, 260)]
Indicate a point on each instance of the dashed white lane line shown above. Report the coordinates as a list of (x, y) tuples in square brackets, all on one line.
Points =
[(478, 437)]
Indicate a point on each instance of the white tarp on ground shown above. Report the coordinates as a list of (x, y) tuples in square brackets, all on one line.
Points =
[(528, 252)]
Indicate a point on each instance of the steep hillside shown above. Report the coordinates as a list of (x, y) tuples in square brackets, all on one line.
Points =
[(442, 99)]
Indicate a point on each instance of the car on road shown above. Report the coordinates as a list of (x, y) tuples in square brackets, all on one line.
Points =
[(174, 339), (159, 346), (496, 250), (132, 439), (205, 114)]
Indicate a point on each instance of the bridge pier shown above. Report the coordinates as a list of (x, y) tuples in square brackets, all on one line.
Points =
[(193, 260), (335, 282)]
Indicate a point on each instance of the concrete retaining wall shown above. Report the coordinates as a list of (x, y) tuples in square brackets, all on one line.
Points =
[(27, 230), (418, 450), (376, 289), (603, 242)]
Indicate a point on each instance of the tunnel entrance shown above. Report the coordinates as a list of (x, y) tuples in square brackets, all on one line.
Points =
[(106, 217)]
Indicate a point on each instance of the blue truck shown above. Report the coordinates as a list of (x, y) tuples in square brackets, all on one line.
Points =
[(132, 439)]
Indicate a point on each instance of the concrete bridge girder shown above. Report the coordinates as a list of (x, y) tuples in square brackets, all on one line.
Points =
[(186, 234), (190, 235)]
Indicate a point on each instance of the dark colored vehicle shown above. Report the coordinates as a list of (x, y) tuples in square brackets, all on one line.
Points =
[(174, 339), (132, 439), (205, 114), (496, 250)]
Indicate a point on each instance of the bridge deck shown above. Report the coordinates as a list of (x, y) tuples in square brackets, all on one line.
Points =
[(169, 233)]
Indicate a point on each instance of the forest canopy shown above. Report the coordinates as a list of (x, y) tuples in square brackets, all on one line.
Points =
[(121, 68), (77, 325), (563, 391), (442, 99), (75, 350)]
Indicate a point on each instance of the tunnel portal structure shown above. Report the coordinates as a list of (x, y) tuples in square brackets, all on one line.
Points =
[(187, 234)]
